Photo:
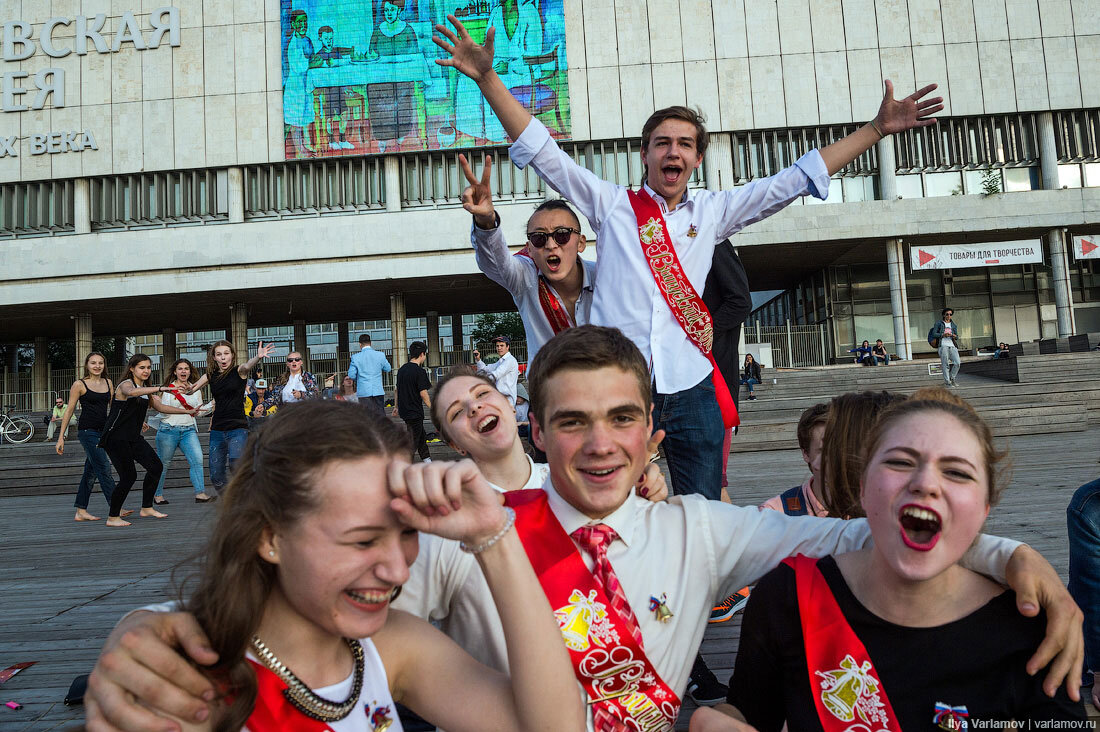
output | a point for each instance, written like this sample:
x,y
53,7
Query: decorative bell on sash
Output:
x,y
660,607
850,682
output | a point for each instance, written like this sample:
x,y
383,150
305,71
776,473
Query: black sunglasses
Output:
x,y
293,359
561,236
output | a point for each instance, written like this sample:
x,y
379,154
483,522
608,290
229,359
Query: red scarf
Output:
x,y
846,688
609,663
682,299
556,314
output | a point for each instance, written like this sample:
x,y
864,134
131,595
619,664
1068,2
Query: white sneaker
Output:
x,y
426,460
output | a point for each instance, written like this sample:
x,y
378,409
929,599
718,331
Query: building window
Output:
x,y
156,199
36,209
287,190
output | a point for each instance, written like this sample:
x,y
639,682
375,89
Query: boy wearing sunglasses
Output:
x,y
549,282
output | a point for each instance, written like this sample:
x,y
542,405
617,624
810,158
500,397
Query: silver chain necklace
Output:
x,y
301,696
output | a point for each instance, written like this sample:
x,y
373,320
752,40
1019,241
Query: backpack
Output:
x,y
932,339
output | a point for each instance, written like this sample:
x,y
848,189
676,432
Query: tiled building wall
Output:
x,y
216,99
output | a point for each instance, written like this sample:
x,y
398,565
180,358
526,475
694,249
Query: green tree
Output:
x,y
991,182
490,325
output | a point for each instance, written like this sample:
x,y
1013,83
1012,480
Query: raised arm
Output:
x,y
454,501
262,352
894,115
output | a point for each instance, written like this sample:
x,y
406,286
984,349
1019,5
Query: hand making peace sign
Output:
x,y
478,196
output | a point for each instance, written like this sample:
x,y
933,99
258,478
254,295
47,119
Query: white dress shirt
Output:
x,y
520,276
691,549
626,295
505,372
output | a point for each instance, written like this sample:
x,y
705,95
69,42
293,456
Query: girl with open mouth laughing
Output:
x,y
898,635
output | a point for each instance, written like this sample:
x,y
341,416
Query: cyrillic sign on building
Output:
x,y
955,256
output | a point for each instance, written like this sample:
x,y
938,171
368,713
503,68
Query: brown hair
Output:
x,y
88,358
811,418
848,429
938,399
585,348
687,114
438,418
285,376
273,486
134,361
170,375
212,370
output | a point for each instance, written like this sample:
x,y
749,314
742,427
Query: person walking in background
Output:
x,y
750,374
367,368
505,372
296,384
411,396
228,425
93,392
180,431
945,337
123,441
55,418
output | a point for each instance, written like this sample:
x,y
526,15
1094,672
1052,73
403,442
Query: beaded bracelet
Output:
x,y
509,522
876,129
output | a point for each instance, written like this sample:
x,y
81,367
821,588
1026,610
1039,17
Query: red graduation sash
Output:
x,y
272,711
556,314
609,663
846,689
681,297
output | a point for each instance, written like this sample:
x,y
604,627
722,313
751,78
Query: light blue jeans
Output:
x,y
187,440
949,359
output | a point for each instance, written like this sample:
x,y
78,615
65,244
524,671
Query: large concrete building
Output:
x,y
242,164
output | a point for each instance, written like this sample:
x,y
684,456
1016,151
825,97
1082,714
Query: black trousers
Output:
x,y
125,455
415,426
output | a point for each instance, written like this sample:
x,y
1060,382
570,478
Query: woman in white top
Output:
x,y
296,384
180,431
313,541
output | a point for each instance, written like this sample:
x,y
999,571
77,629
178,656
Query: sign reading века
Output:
x,y
951,256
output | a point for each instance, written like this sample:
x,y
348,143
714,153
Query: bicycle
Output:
x,y
16,430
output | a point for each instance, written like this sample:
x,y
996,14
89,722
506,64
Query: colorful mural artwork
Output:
x,y
359,76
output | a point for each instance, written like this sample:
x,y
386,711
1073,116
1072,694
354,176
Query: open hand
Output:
x,y
264,351
478,196
452,500
467,56
898,115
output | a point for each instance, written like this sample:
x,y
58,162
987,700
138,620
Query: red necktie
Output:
x,y
595,540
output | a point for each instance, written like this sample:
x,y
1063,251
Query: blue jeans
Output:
x,y
225,447
693,438
96,467
949,359
186,439
750,382
882,359
1083,522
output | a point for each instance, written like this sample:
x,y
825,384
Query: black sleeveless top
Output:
x,y
93,407
131,415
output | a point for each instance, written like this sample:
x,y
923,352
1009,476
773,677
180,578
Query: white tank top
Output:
x,y
375,707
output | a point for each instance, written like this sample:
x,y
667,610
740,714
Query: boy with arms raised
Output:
x,y
627,577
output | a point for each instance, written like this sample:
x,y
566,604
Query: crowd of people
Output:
x,y
575,596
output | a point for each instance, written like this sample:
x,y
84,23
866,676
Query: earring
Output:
x,y
270,552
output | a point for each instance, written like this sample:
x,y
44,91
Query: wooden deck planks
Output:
x,y
65,584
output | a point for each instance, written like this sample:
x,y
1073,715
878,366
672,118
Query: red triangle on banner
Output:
x,y
924,257
1087,247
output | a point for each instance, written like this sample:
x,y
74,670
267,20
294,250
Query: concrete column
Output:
x,y
887,170
899,302
718,162
392,167
236,195
300,344
397,328
82,206
456,333
1063,292
169,352
83,325
238,330
433,339
40,376
1059,259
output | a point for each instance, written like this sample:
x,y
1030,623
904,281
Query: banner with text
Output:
x,y
1086,247
954,256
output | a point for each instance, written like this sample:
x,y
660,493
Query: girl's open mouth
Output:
x,y
920,527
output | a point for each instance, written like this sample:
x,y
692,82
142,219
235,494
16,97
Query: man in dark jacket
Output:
x,y
729,301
